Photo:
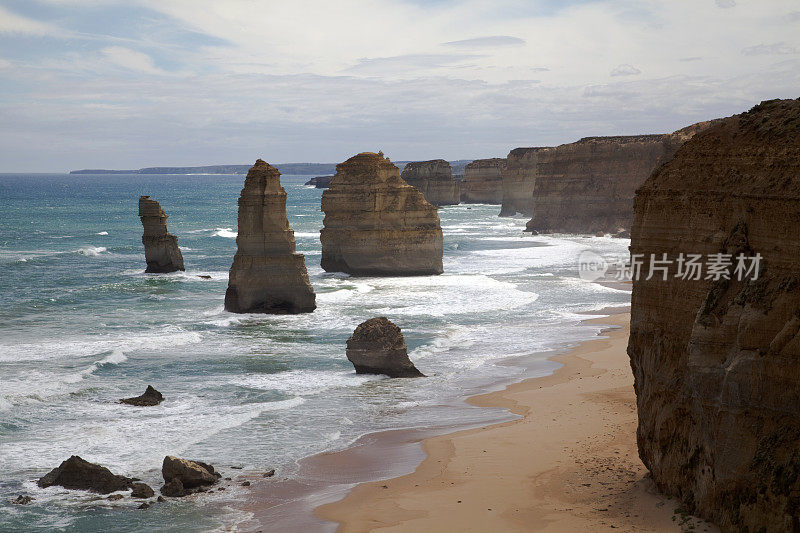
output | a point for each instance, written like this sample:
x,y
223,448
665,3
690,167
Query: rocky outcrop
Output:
x,y
267,275
182,477
377,346
519,178
376,224
160,247
717,362
320,182
434,179
588,186
79,474
150,397
483,181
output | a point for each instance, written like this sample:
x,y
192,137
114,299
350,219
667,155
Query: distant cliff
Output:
x,y
483,181
434,179
286,168
716,361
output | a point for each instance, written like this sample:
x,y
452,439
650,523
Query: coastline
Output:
x,y
569,463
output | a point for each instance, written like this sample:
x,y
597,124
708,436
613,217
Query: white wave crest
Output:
x,y
228,233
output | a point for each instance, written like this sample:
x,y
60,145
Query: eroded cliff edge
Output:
x,y
434,179
717,363
376,223
161,250
267,275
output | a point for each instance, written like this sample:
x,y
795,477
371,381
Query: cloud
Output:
x,y
690,59
5,63
769,49
13,24
726,4
625,70
130,59
487,42
397,64
794,16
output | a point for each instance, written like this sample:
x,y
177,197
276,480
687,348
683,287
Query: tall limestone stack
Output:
x,y
435,180
519,178
376,223
717,362
160,247
483,181
267,275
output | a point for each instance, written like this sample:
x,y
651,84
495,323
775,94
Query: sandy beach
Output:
x,y
568,464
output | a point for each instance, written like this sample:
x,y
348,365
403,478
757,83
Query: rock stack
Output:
x,y
434,179
160,247
519,178
377,224
377,346
267,275
483,181
716,361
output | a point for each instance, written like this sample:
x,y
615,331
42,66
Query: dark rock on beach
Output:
x,y
150,397
141,491
22,499
377,346
77,473
182,477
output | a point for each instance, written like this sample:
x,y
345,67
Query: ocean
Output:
x,y
82,325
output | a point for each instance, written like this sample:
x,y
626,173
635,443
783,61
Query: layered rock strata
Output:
x,y
434,179
267,275
377,346
376,223
519,178
483,181
717,361
161,250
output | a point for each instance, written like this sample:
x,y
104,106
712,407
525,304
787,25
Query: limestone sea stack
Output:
x,y
483,181
717,361
160,247
434,179
376,224
267,275
519,178
377,346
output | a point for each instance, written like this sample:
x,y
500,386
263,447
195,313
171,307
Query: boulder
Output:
x,y
434,179
376,224
377,346
716,362
191,474
22,499
141,490
161,250
76,473
174,489
267,275
150,397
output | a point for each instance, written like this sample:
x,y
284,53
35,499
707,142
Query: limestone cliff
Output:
x,y
519,178
161,250
717,362
377,224
267,275
434,179
483,181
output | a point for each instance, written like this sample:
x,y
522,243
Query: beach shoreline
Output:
x,y
365,486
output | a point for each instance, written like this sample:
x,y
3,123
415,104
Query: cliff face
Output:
x,y
519,178
483,181
434,179
267,275
377,224
717,363
160,247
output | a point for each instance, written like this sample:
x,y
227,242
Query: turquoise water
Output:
x,y
81,325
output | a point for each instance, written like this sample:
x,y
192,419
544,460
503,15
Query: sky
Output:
x,y
134,83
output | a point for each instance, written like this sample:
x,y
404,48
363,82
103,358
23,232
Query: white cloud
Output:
x,y
130,59
487,42
5,64
11,23
625,70
769,49
726,4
